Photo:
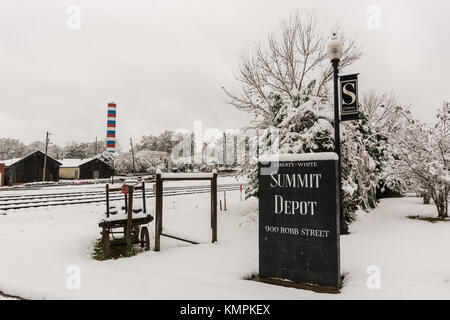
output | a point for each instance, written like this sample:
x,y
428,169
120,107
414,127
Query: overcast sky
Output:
x,y
164,61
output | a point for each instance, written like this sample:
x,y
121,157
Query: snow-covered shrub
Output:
x,y
383,116
144,162
359,168
107,157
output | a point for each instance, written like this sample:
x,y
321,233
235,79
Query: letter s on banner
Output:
x,y
349,93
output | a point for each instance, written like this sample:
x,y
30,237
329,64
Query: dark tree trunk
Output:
x,y
426,198
441,201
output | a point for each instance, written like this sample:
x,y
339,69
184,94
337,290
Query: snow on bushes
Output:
x,y
145,162
308,127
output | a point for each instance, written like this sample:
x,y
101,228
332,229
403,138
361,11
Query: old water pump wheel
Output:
x,y
145,238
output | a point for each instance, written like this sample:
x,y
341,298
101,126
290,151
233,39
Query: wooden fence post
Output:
x,y
107,200
130,220
158,211
143,197
214,207
224,200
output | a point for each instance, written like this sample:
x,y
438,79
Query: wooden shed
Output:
x,y
92,168
2,174
31,168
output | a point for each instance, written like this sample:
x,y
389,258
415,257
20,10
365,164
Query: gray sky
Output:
x,y
164,61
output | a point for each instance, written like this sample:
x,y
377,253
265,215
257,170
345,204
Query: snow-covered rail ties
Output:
x,y
15,202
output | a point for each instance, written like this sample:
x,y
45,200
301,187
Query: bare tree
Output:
x,y
290,63
423,152
383,112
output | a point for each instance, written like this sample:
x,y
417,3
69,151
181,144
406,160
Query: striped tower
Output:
x,y
111,128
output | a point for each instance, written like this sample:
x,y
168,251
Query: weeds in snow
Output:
x,y
429,219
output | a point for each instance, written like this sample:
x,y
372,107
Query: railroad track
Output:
x,y
102,192
15,202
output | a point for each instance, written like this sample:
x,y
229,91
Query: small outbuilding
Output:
x,y
82,169
2,174
31,169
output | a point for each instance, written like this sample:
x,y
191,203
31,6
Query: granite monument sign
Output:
x,y
299,219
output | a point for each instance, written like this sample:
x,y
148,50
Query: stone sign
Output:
x,y
299,219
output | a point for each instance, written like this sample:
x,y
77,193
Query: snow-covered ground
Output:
x,y
39,247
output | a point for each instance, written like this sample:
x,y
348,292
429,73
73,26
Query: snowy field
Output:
x,y
39,245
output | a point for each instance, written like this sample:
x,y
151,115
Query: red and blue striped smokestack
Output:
x,y
111,128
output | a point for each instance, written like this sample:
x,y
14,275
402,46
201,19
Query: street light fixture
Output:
x,y
335,53
334,48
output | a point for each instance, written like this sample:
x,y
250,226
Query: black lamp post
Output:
x,y
335,52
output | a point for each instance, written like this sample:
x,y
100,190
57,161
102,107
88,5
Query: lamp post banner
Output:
x,y
349,97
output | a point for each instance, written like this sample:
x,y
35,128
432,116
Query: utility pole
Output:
x,y
132,155
192,149
224,149
96,153
47,140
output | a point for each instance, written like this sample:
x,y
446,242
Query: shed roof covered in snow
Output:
x,y
75,163
10,162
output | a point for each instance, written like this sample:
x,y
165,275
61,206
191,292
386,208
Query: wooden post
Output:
x,y
107,200
126,203
130,220
105,242
158,211
143,197
214,207
224,200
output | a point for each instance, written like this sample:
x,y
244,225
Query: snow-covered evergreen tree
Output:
x,y
309,127
384,117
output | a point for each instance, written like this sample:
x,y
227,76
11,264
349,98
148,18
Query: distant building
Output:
x,y
2,174
165,158
31,168
81,169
